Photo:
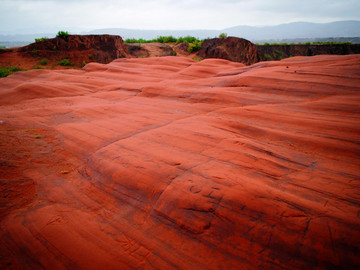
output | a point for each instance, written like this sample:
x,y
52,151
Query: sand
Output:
x,y
169,163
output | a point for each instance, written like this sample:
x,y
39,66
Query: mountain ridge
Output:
x,y
294,30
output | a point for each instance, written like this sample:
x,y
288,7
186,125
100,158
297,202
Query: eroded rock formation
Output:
x,y
78,49
169,163
229,48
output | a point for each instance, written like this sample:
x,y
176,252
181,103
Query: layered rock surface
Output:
x,y
78,49
168,163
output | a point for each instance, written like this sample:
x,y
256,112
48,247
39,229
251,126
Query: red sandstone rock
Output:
x,y
168,163
229,48
76,48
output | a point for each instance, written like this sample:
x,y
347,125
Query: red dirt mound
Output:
x,y
229,48
169,163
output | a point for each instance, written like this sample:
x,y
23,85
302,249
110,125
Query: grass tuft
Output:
x,y
4,72
64,62
40,39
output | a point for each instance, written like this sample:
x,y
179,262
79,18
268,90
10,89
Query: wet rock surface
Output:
x,y
169,163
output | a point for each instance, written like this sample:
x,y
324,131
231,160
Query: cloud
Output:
x,y
18,15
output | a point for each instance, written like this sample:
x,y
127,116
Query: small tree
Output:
x,y
223,35
62,34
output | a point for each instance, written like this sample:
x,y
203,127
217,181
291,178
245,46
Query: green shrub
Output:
x,y
2,47
174,53
130,40
62,34
141,40
279,53
64,62
44,62
90,56
223,35
133,40
8,71
268,57
83,63
187,39
197,59
38,67
195,46
40,39
266,44
281,43
166,39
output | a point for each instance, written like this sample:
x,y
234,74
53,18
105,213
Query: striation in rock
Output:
x,y
169,163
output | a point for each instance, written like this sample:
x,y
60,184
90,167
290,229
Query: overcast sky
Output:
x,y
18,16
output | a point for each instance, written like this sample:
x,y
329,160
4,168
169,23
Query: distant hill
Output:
x,y
295,30
150,34
291,31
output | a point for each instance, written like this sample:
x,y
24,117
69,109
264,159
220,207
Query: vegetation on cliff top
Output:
x,y
164,39
40,39
62,34
305,43
194,43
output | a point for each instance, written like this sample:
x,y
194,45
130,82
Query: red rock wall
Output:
x,y
102,48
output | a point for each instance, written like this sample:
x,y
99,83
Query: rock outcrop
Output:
x,y
170,163
229,48
243,51
78,49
